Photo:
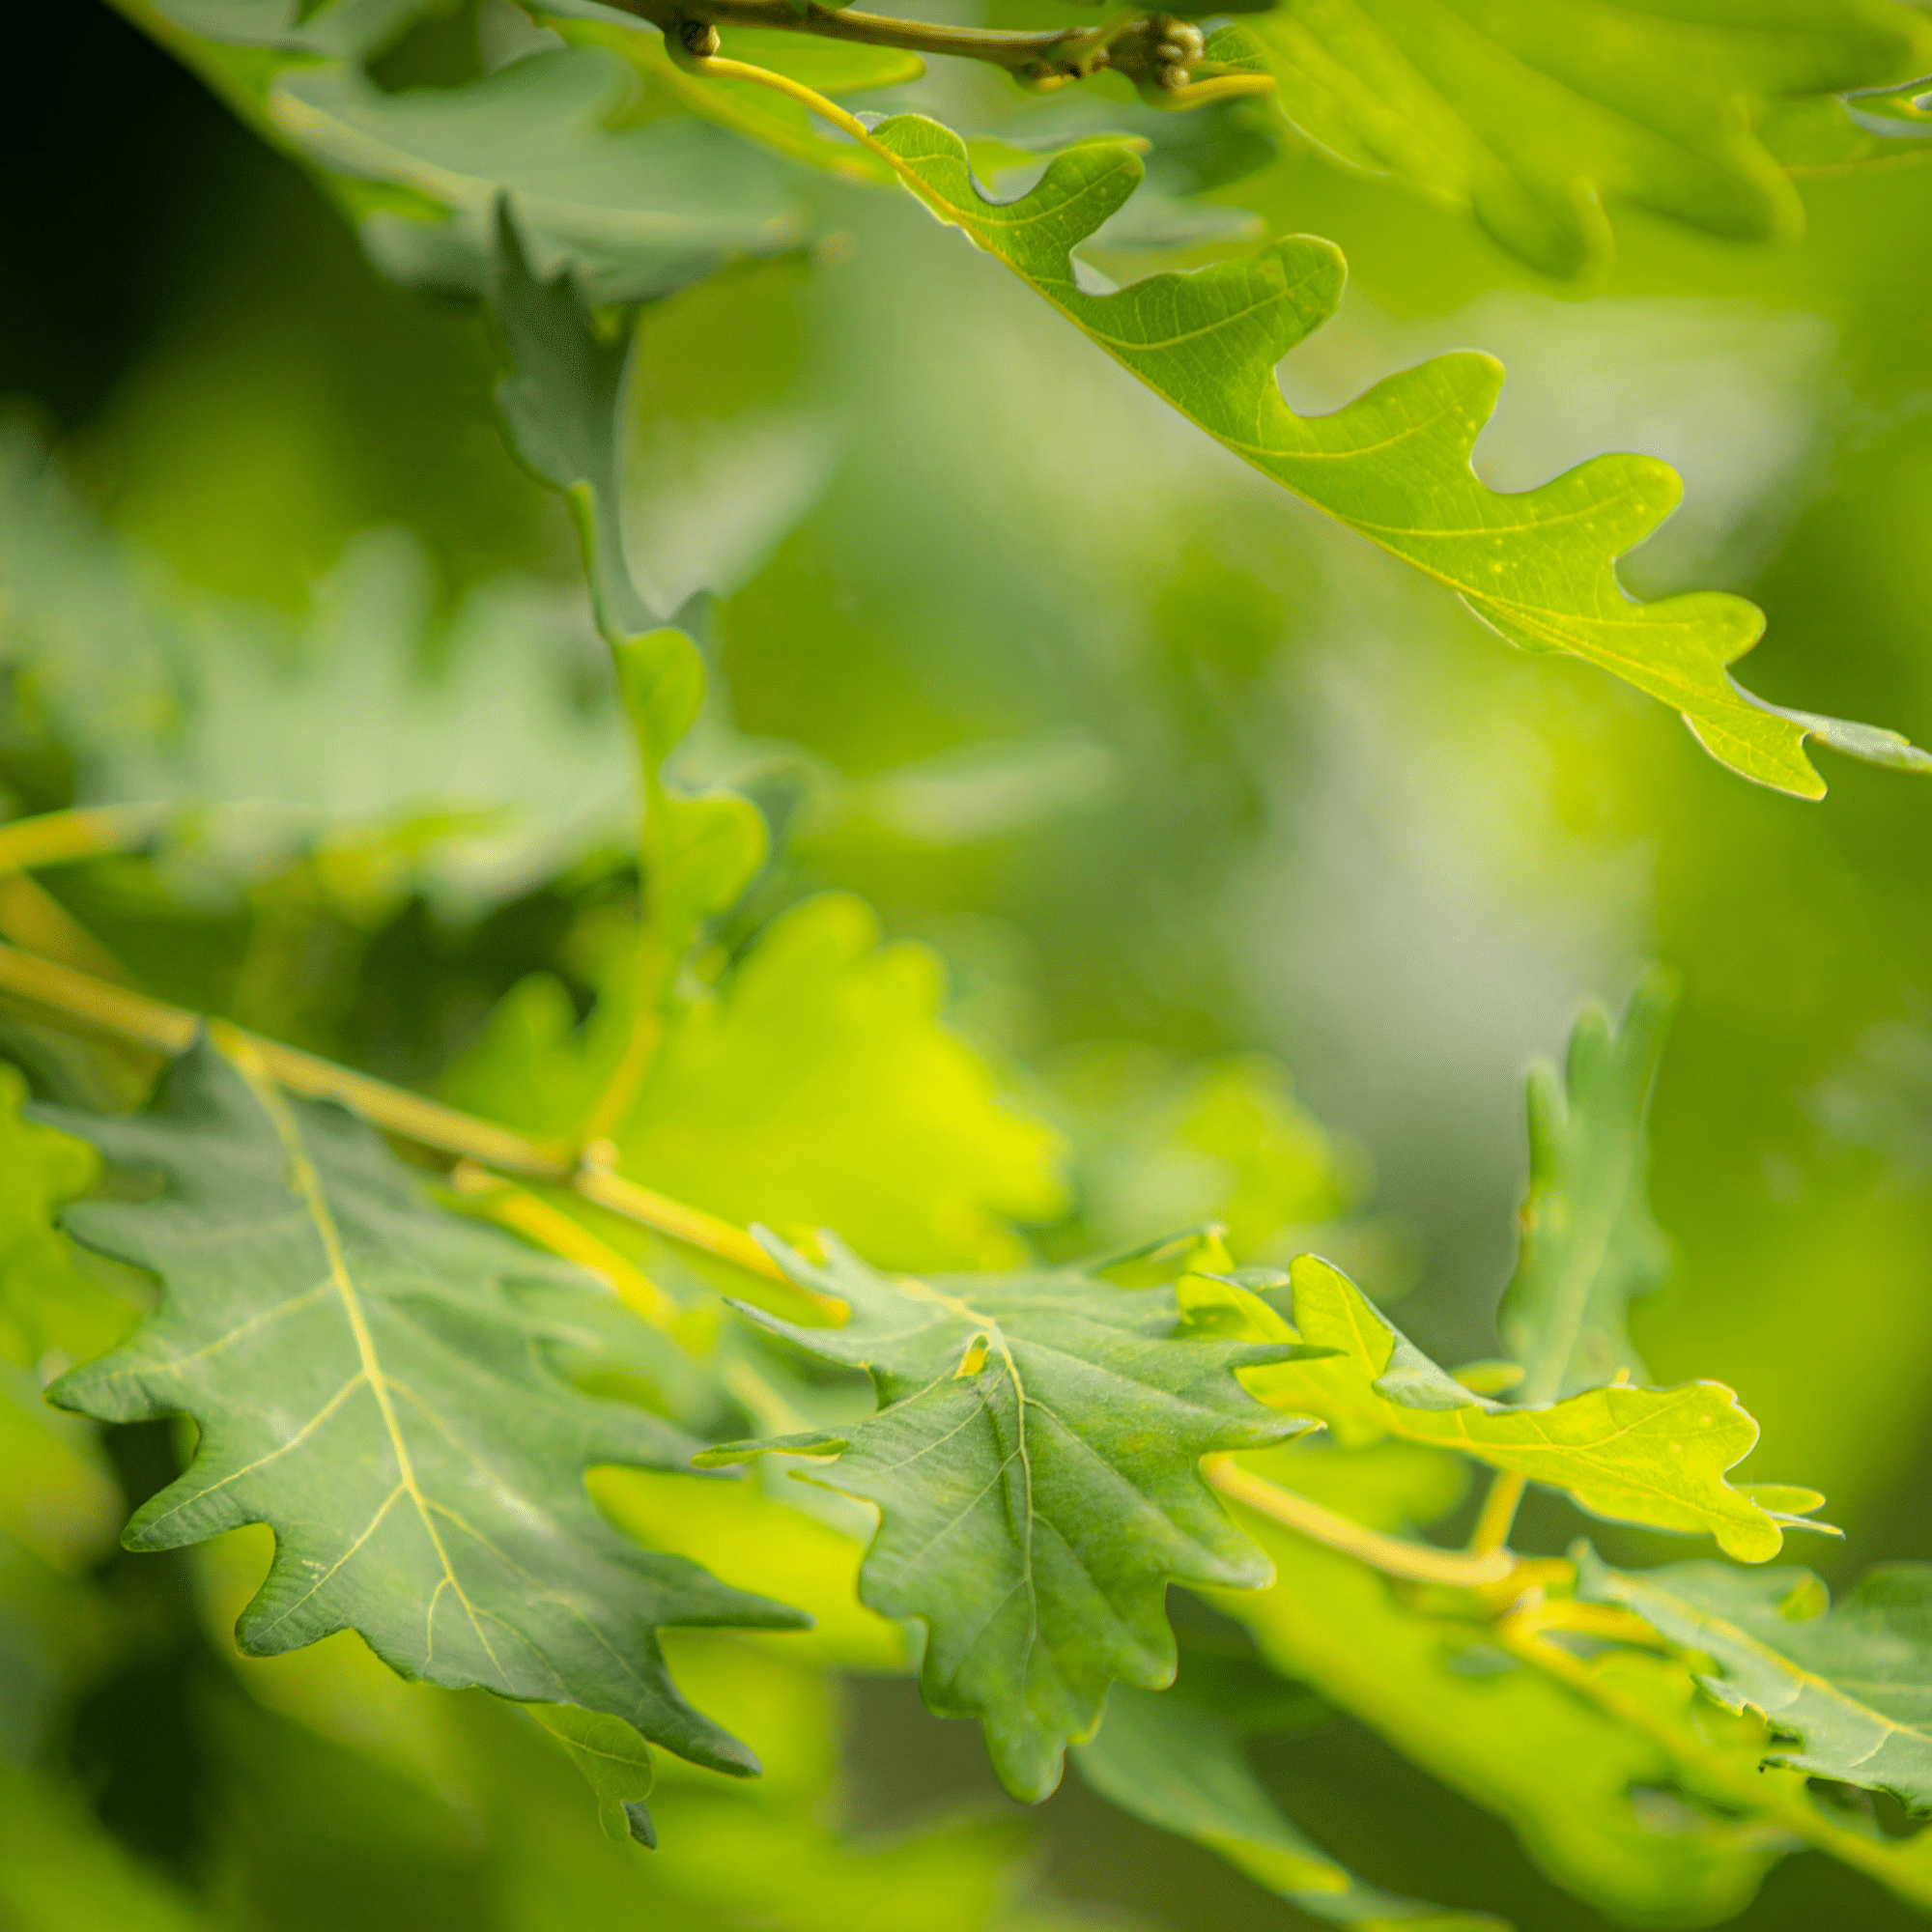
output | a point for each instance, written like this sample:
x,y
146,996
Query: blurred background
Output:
x,y
1167,771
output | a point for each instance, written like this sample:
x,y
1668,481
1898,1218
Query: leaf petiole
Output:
x,y
1392,1555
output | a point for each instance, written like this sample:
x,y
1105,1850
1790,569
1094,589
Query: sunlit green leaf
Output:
x,y
1395,464
1036,1462
1657,1457
1589,1244
1533,114
1846,1689
366,1381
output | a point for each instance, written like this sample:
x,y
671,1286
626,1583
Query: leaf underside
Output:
x,y
367,1381
1035,1459
1538,566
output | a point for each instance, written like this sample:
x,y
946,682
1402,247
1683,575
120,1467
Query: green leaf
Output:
x,y
1589,1244
1602,1805
1531,115
1224,1140
563,413
1394,465
1656,1456
1035,1459
46,1302
775,120
1849,1687
816,1085
366,1381
1176,1764
615,1763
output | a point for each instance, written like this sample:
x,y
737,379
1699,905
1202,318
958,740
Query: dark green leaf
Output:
x,y
1036,1462
366,1381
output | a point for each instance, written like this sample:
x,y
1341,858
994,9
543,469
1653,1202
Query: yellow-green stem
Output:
x,y
1392,1555
1792,1808
171,1030
1498,1514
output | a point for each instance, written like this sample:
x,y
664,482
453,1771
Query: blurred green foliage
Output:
x,y
1156,786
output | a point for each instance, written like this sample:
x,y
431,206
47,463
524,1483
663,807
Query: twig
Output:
x,y
171,1030
1392,1555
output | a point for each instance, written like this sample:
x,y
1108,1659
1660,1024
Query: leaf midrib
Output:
x,y
306,1182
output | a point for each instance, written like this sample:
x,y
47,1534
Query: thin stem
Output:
x,y
1155,49
1788,1805
1392,1555
171,1030
1498,1515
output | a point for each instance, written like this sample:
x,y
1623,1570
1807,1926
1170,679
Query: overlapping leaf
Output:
x,y
1657,1457
366,1381
1532,115
1850,1685
1177,1761
1035,1459
1589,1244
1538,566
1606,1807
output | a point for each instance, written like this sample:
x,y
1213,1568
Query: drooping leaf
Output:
x,y
366,1381
1178,1764
1035,1459
1532,115
1589,1246
1602,1805
61,1871
1657,1457
1849,1687
1537,566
